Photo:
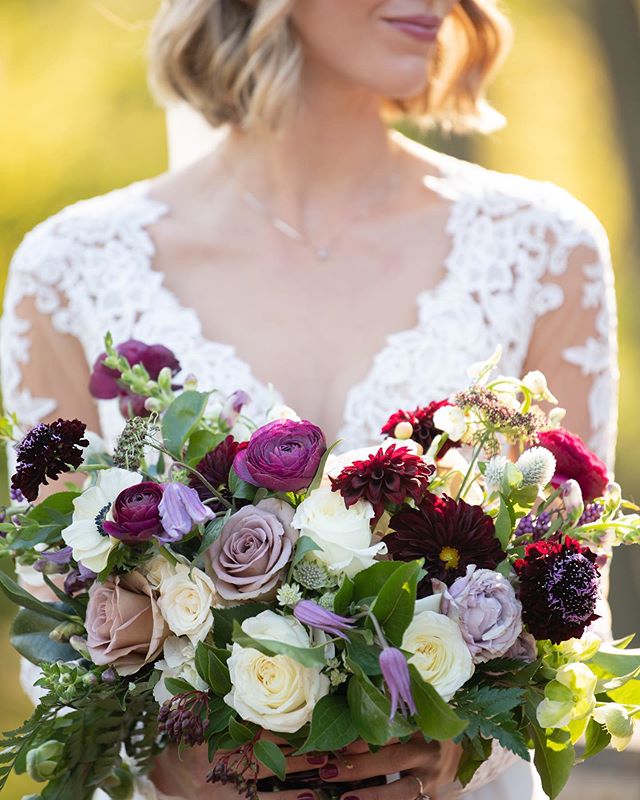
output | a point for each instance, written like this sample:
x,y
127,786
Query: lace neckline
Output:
x,y
264,395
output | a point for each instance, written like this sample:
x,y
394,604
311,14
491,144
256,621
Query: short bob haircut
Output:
x,y
239,61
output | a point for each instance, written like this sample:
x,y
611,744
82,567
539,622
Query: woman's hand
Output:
x,y
423,769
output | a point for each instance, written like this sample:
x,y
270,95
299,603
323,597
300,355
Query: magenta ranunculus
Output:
x,y
135,514
489,615
103,383
282,456
575,460
255,546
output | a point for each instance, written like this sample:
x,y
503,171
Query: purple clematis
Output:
x,y
310,613
180,509
395,672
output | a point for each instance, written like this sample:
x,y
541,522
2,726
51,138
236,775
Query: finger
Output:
x,y
291,794
295,764
392,758
407,788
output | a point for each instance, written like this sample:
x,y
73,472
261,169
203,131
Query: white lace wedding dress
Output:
x,y
90,269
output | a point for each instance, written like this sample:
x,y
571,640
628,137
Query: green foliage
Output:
x,y
395,602
307,656
30,635
224,619
489,713
370,712
331,725
269,754
181,419
436,719
22,598
211,665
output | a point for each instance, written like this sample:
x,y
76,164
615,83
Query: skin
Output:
x,y
330,160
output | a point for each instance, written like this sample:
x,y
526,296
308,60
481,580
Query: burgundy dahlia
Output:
x,y
449,534
424,430
215,468
575,460
46,452
387,477
136,514
104,383
559,587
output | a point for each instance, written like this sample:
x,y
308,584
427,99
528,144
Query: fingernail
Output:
x,y
316,761
329,771
306,796
351,797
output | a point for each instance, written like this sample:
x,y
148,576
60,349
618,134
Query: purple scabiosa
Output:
x,y
395,672
559,586
47,451
183,718
180,509
314,615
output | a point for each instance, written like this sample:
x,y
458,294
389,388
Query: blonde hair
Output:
x,y
239,62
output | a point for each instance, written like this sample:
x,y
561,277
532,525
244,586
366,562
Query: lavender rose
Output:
x,y
124,625
135,515
252,551
484,605
282,456
524,648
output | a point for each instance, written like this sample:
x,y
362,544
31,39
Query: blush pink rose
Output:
x,y
124,625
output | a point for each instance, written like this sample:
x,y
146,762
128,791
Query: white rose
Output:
x,y
344,534
185,602
440,653
157,570
178,662
275,692
90,545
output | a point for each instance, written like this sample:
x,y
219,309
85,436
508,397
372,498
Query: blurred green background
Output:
x,y
77,120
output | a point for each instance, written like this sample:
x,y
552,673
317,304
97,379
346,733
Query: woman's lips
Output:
x,y
423,28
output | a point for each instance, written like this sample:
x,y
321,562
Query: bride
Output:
x,y
313,255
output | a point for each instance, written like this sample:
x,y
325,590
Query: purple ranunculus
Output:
x,y
233,406
78,580
254,548
180,509
484,605
282,456
135,514
104,382
314,615
395,672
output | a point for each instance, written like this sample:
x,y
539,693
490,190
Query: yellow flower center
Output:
x,y
450,557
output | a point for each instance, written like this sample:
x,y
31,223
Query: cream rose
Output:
x,y
344,534
275,692
186,598
439,652
178,662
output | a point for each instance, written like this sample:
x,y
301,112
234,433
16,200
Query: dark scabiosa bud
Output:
x,y
395,672
183,718
314,615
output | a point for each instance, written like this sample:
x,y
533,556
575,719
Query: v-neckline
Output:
x,y
440,184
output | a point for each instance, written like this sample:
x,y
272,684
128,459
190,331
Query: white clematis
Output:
x,y
90,545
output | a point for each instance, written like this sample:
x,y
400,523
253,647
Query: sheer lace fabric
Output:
x,y
529,268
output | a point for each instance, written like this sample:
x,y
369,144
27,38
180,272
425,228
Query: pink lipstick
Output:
x,y
422,27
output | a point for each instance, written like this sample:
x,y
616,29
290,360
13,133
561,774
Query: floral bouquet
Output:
x,y
245,588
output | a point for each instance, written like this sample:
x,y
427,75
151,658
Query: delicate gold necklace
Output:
x,y
321,252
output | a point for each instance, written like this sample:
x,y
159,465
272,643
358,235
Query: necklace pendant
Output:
x,y
322,253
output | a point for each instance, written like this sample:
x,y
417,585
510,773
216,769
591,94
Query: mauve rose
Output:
x,y
484,605
524,648
255,546
575,460
135,515
124,625
103,383
282,456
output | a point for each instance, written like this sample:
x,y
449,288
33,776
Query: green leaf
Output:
x,y
369,582
30,637
200,443
177,685
488,712
436,719
553,763
212,668
269,754
615,662
240,489
307,656
365,656
343,596
304,545
219,715
629,694
223,619
370,712
596,738
331,725
241,734
504,524
317,478
474,753
181,418
394,606
212,532
18,596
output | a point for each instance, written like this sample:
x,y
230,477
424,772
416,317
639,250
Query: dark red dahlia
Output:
x,y
575,460
424,430
46,452
388,477
215,468
559,587
104,382
449,534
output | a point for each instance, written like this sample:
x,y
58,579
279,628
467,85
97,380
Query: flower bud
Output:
x,y
536,383
42,763
571,495
153,405
165,377
537,465
64,631
617,721
79,644
403,430
190,383
556,415
119,785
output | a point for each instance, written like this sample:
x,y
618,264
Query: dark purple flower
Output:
x,y
104,383
54,561
46,452
78,580
136,514
180,509
215,468
282,456
183,718
559,587
314,615
395,672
